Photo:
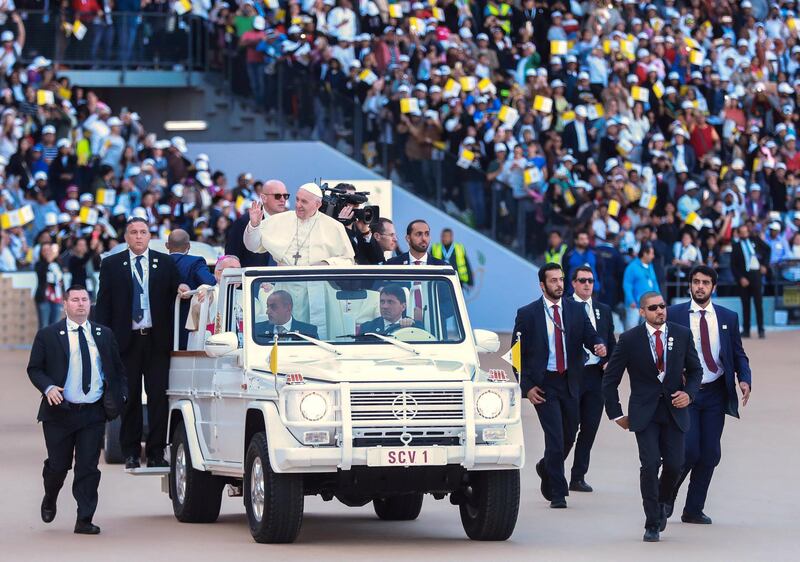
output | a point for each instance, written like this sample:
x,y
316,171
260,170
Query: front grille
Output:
x,y
419,437
396,442
392,405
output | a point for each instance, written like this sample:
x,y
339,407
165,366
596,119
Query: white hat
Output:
x,y
611,163
755,187
7,36
48,130
177,190
62,143
114,122
50,219
133,171
741,184
556,83
775,225
139,213
204,178
581,111
293,29
64,217
71,205
555,60
179,143
40,176
164,210
86,198
201,166
469,140
689,185
259,23
583,75
161,144
312,188
738,163
500,147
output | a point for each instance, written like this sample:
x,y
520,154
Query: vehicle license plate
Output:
x,y
407,456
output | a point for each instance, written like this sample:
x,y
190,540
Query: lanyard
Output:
x,y
553,320
448,252
139,279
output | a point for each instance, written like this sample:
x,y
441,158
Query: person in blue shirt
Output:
x,y
779,247
192,271
639,278
582,254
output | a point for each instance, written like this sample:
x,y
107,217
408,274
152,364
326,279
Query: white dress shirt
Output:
x,y
422,261
587,305
580,134
651,334
551,333
73,387
713,339
147,319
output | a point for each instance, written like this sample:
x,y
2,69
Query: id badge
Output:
x,y
753,263
144,300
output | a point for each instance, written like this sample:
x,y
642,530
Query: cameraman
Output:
x,y
367,251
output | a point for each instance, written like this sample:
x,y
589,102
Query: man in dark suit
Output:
x,y
665,375
749,260
280,319
591,388
393,313
77,368
273,200
553,332
136,300
576,136
715,330
192,271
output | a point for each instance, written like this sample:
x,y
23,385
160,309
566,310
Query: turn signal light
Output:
x,y
295,378
497,375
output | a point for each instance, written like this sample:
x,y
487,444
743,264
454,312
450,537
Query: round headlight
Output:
x,y
489,404
313,406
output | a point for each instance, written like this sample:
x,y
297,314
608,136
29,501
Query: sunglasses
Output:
x,y
588,280
278,196
654,307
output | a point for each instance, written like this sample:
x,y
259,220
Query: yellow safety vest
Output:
x,y
555,257
461,259
503,16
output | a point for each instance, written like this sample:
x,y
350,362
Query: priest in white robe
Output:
x,y
303,237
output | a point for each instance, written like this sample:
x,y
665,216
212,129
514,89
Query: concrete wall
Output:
x,y
504,281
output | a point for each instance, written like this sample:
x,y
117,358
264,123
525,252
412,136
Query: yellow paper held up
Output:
x,y
468,83
409,105
395,11
658,89
107,197
89,216
694,220
543,104
45,97
569,198
640,94
79,30
558,47
696,58
614,208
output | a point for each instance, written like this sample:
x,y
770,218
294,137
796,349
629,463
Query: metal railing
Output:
x,y
115,40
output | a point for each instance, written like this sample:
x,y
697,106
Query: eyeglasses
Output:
x,y
654,307
278,196
588,280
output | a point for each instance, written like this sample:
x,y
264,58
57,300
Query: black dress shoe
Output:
x,y
48,508
761,335
663,524
545,485
157,462
651,534
580,486
86,528
699,519
559,503
132,462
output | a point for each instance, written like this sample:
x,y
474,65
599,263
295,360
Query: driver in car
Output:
x,y
280,319
393,313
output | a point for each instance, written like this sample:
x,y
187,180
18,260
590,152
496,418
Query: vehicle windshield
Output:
x,y
352,310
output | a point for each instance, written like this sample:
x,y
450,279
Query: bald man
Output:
x,y
193,272
208,291
274,198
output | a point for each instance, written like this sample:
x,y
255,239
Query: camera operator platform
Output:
x,y
305,236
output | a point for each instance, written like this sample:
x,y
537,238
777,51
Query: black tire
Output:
x,y
112,448
489,512
398,508
196,495
273,502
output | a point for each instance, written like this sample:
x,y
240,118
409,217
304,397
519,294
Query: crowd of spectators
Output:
x,y
569,129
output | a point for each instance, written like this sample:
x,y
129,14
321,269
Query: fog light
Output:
x,y
317,438
492,435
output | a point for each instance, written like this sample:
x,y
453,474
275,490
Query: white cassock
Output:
x,y
292,241
202,324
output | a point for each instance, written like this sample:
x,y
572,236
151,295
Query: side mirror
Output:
x,y
221,344
486,341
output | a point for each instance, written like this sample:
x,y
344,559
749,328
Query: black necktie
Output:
x,y
86,361
138,291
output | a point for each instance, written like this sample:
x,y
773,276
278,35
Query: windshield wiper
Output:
x,y
319,343
394,341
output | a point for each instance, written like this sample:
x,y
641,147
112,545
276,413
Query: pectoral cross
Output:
x,y
297,256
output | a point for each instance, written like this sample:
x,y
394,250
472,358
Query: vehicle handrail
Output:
x,y
177,316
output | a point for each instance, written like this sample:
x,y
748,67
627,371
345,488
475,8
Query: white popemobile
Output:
x,y
374,400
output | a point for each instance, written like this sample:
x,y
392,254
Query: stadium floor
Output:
x,y
753,499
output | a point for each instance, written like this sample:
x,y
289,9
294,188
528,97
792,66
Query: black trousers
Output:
x,y
752,291
703,449
661,444
558,416
76,432
142,361
590,412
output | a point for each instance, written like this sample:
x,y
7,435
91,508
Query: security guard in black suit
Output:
x,y
137,301
76,366
591,387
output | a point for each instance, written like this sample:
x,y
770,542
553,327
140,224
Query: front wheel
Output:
x,y
398,508
273,502
490,508
196,494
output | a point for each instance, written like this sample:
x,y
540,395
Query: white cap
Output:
x,y
179,143
500,147
40,176
204,178
7,36
48,130
114,122
177,190
64,217
71,205
775,225
581,111
50,219
312,188
63,143
139,213
259,23
86,198
737,163
755,187
689,185
164,210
